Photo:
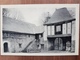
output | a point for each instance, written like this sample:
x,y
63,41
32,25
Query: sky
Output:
x,y
32,14
35,15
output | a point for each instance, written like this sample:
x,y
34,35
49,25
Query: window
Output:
x,y
20,45
53,30
37,36
69,28
64,28
49,30
58,28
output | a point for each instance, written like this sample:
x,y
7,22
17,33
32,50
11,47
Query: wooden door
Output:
x,y
58,44
6,47
39,57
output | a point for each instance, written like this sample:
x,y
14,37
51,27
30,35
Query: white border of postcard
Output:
x,y
45,54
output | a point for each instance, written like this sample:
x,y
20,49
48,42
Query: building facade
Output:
x,y
18,36
60,31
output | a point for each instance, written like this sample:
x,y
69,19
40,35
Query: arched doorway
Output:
x,y
58,44
5,47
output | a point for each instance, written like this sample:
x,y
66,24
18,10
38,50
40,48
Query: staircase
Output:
x,y
29,45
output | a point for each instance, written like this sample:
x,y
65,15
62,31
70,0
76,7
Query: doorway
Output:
x,y
6,47
58,44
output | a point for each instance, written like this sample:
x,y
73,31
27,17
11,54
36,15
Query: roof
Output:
x,y
62,35
13,25
60,15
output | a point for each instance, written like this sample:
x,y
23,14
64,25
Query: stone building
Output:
x,y
18,35
60,31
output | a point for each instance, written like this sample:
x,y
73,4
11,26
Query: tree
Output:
x,y
45,17
13,13
5,12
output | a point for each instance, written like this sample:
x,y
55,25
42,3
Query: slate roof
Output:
x,y
10,24
60,15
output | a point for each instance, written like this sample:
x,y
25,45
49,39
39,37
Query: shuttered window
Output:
x,y
64,28
53,31
69,28
49,30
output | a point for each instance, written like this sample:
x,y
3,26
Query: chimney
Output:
x,y
48,17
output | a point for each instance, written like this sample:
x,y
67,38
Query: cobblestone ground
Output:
x,y
52,51
45,50
55,51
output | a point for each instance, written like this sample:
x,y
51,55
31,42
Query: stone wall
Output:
x,y
16,41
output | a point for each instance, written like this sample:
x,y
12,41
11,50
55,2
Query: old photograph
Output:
x,y
40,29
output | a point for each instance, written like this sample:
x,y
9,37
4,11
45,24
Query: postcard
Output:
x,y
40,29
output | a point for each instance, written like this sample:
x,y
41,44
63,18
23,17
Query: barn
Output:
x,y
18,36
